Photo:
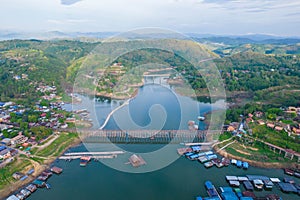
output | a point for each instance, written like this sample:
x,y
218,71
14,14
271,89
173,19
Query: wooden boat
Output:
x,y
297,174
201,118
48,186
84,160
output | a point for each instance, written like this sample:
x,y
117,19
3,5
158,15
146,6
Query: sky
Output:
x,y
222,17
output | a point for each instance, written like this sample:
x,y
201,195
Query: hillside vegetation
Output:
x,y
266,72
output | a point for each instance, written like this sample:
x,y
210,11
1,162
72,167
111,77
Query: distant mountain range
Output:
x,y
225,39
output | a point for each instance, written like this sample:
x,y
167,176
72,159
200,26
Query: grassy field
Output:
x,y
18,165
256,152
58,145
39,158
279,138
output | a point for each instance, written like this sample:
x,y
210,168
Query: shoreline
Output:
x,y
10,189
266,165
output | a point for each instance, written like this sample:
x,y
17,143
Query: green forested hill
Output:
x,y
26,64
267,76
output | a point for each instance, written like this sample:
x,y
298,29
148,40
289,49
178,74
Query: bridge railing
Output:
x,y
146,136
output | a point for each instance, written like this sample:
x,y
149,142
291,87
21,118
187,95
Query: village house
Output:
x,y
17,175
291,109
248,120
258,114
278,128
230,129
6,141
64,126
270,125
19,139
296,130
70,120
261,122
4,152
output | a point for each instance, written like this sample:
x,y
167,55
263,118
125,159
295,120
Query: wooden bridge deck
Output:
x,y
148,136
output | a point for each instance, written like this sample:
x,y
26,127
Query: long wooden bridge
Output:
x,y
148,136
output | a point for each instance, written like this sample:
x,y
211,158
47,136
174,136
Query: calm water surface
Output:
x,y
181,180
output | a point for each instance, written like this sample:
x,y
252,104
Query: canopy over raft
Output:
x,y
136,161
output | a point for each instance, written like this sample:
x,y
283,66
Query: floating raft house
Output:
x,y
254,177
31,188
245,165
249,194
288,180
229,196
239,163
56,170
287,187
234,183
246,198
12,197
242,178
136,160
289,172
39,183
226,189
231,178
268,184
248,185
275,180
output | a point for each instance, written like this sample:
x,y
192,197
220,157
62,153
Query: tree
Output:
x,y
32,118
41,132
24,125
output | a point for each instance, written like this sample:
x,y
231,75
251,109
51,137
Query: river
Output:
x,y
183,179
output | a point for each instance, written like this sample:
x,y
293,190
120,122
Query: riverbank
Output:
x,y
277,165
38,167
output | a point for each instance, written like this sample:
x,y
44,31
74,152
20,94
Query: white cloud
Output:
x,y
205,16
69,2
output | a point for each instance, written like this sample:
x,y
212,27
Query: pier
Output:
x,y
94,153
93,156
